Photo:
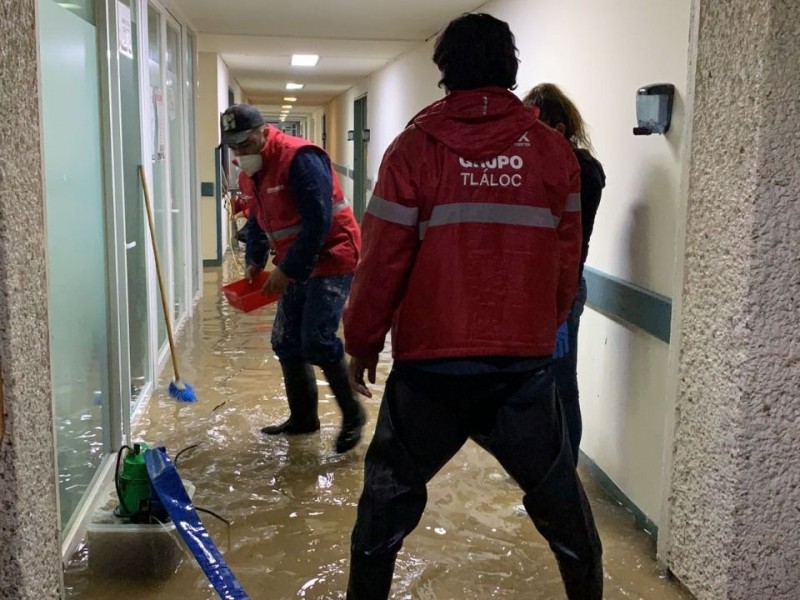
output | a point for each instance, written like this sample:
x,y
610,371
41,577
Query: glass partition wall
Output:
x,y
118,92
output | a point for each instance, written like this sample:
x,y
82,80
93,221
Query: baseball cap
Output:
x,y
238,121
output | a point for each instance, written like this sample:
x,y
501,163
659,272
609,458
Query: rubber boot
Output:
x,y
353,414
370,577
301,392
561,512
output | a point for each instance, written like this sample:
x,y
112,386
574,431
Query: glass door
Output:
x,y
136,236
158,156
194,200
77,275
177,173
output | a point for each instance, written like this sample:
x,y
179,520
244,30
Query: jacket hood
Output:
x,y
477,124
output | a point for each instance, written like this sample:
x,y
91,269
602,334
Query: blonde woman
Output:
x,y
560,113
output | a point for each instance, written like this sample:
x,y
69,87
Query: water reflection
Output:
x,y
292,500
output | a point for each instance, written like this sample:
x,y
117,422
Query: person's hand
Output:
x,y
250,272
276,284
356,373
562,341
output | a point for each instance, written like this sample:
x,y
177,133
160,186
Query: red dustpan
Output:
x,y
247,296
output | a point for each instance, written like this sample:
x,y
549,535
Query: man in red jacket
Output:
x,y
471,244
295,199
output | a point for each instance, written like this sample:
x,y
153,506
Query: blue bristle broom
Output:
x,y
180,390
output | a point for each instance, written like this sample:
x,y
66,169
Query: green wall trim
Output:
x,y
626,301
609,487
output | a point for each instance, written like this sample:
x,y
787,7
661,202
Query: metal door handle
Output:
x,y
130,245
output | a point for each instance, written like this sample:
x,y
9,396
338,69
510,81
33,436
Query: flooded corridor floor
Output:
x,y
292,500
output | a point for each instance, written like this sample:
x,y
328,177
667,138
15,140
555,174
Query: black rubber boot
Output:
x,y
370,577
560,511
301,391
353,414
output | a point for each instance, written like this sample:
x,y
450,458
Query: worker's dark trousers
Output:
x,y
424,420
565,370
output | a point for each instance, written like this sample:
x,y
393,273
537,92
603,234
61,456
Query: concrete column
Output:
x,y
734,530
30,549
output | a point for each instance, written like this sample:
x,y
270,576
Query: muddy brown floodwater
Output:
x,y
292,500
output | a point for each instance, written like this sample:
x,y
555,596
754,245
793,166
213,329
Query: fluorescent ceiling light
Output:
x,y
294,86
287,106
304,60
290,99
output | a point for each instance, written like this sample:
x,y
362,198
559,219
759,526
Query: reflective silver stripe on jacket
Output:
x,y
282,234
393,212
573,203
501,214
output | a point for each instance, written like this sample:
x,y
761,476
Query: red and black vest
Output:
x,y
275,208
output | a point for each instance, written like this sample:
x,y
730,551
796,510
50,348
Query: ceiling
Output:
x,y
353,38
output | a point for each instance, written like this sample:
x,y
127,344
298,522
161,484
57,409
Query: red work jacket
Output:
x,y
473,235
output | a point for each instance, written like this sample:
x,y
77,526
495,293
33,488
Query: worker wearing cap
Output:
x,y
295,199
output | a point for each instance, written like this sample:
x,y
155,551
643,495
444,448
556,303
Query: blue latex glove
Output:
x,y
562,341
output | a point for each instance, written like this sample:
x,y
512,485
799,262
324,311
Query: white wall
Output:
x,y
600,53
213,82
207,140
340,120
601,57
315,124
394,95
225,82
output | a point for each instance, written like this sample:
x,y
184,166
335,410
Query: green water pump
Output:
x,y
133,484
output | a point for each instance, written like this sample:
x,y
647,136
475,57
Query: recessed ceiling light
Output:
x,y
290,99
294,86
304,60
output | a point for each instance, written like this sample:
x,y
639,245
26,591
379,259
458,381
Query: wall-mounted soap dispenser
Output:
x,y
654,108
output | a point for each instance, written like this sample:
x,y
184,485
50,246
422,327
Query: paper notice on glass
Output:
x,y
171,104
161,123
124,35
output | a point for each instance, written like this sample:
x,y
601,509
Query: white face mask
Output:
x,y
250,163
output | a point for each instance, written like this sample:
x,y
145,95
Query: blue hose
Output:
x,y
169,487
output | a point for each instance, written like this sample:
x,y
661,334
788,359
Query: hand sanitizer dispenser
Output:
x,y
654,108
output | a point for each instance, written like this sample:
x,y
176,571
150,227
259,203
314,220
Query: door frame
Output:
x,y
360,120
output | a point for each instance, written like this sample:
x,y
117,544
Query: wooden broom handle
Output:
x,y
164,303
